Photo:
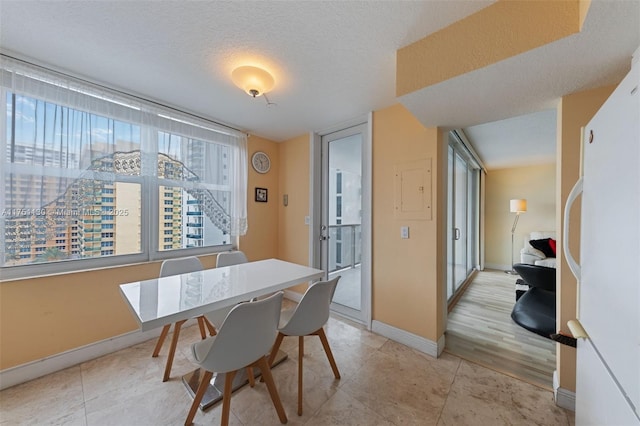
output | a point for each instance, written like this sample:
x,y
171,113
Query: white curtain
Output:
x,y
238,184
69,129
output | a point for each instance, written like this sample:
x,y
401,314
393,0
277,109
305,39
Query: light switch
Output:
x,y
307,220
404,232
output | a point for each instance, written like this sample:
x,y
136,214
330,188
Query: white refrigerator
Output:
x,y
608,272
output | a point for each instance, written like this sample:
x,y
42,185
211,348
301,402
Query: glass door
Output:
x,y
461,218
460,214
341,225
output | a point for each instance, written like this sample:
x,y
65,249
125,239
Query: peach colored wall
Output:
x,y
261,241
44,316
293,244
406,272
574,112
536,184
501,30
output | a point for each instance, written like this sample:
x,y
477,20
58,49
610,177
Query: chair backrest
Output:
x,y
313,310
228,258
247,333
180,266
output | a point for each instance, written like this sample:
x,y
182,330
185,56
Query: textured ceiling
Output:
x,y
499,144
332,61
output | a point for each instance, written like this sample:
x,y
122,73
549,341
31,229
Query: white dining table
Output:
x,y
167,300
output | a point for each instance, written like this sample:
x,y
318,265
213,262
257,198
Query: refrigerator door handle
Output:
x,y
573,265
577,330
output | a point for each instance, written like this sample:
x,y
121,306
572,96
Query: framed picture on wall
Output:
x,y
261,195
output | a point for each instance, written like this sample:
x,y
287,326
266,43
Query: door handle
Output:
x,y
577,330
323,237
573,265
456,232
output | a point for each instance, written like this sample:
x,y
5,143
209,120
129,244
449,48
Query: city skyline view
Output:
x,y
73,185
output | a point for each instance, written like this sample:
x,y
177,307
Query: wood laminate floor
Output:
x,y
480,329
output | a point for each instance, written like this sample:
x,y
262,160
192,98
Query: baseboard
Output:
x,y
34,369
564,398
497,266
41,367
426,346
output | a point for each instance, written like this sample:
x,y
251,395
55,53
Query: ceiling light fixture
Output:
x,y
253,80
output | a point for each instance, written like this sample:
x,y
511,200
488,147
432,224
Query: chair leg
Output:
x,y
300,356
271,386
226,397
202,388
251,377
203,333
327,350
274,352
275,348
210,327
172,349
163,335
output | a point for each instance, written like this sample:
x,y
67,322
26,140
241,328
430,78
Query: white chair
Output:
x,y
175,267
307,319
228,258
243,340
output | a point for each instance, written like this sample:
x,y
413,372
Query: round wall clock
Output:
x,y
261,162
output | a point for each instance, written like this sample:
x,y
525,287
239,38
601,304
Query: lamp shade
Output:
x,y
518,206
253,80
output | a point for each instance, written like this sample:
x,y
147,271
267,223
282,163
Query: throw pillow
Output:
x,y
543,246
552,244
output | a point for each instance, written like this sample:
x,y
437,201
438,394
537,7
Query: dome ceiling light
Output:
x,y
253,80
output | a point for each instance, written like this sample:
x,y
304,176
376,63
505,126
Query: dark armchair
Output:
x,y
536,309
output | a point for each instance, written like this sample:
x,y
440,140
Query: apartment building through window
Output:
x,y
76,162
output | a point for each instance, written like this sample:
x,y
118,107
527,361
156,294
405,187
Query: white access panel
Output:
x,y
610,236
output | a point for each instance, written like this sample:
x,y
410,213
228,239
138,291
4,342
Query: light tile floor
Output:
x,y
383,383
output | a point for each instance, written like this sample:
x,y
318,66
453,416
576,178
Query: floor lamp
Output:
x,y
517,207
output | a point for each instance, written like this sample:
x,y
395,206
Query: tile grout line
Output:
x,y
455,375
84,398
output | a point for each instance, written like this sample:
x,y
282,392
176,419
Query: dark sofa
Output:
x,y
535,310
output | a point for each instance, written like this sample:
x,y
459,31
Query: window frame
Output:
x,y
150,245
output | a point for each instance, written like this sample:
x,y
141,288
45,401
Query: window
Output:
x,y
85,160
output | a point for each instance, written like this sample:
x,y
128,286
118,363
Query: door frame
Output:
x,y
458,142
315,205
